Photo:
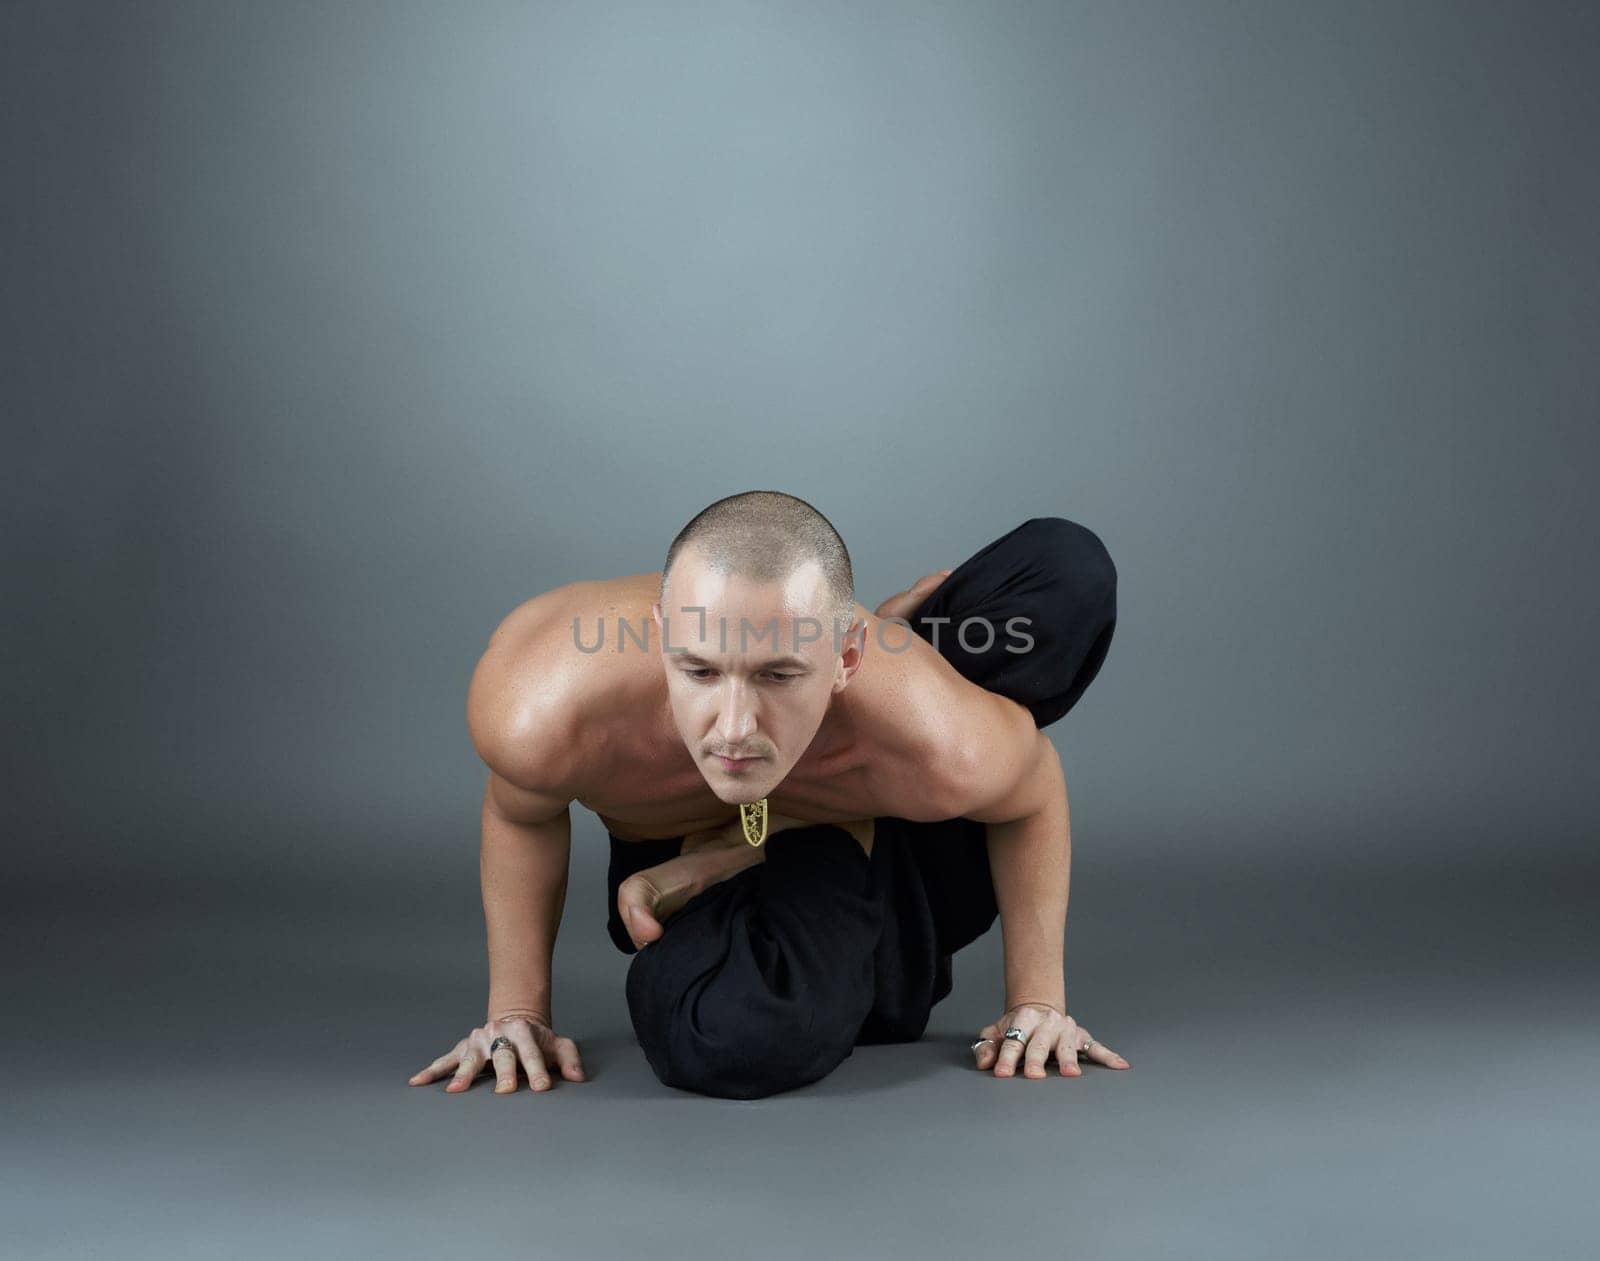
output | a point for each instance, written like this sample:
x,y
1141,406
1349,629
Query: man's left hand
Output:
x,y
1046,1031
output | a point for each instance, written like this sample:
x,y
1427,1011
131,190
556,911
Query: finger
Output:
x,y
1006,1061
436,1070
1067,1053
505,1070
987,1046
1100,1053
904,603
533,1061
1025,1020
1038,1051
471,1066
566,1053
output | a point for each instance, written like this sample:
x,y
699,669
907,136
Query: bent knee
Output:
x,y
1077,551
743,1031
754,1065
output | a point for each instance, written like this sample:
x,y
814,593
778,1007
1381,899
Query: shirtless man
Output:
x,y
629,695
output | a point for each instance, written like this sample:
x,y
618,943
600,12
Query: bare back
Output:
x,y
596,726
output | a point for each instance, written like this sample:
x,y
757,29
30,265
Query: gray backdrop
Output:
x,y
334,331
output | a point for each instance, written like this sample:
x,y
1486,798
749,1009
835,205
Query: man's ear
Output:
x,y
661,631
852,648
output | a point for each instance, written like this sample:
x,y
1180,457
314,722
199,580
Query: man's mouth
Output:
x,y
734,764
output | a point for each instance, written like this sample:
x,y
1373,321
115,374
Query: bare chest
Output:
x,y
645,790
636,776
650,788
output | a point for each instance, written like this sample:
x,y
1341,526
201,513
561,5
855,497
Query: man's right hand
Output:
x,y
535,1044
905,603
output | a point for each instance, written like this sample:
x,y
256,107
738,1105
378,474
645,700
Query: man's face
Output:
x,y
761,697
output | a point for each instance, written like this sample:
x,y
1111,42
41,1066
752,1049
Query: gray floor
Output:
x,y
1379,1061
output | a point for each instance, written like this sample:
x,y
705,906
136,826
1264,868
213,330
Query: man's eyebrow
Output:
x,y
792,663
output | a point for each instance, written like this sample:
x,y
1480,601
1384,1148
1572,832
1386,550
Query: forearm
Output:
x,y
1030,860
523,871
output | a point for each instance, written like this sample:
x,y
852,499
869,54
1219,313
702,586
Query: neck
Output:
x,y
835,735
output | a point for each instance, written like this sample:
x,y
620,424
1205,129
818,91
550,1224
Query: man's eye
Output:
x,y
771,674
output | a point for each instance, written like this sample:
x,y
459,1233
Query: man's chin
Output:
x,y
730,793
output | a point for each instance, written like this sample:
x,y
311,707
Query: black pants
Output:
x,y
765,982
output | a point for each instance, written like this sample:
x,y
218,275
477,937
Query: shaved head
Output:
x,y
763,536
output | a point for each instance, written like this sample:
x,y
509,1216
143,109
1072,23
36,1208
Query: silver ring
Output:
x,y
1015,1034
980,1042
501,1041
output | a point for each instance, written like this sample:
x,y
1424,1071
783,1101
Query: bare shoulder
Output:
x,y
528,690
926,724
968,745
993,751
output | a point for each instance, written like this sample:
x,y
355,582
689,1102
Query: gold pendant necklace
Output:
x,y
753,818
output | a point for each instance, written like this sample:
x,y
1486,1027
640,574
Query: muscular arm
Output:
x,y
1011,780
522,866
519,718
516,717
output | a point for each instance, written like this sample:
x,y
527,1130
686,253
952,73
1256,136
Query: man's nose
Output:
x,y
736,719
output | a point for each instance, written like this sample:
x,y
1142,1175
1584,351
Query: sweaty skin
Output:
x,y
597,728
878,725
